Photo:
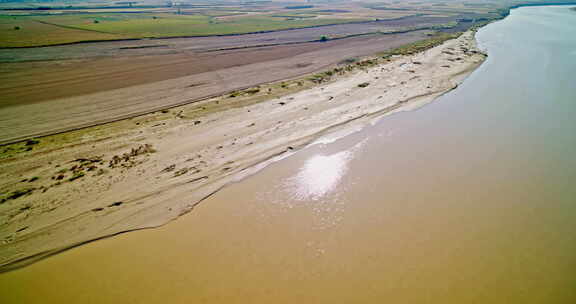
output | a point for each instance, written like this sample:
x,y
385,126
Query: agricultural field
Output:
x,y
58,29
54,25
167,25
194,55
24,31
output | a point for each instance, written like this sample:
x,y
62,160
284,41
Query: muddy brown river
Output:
x,y
470,199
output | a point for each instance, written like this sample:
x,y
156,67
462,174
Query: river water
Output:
x,y
471,199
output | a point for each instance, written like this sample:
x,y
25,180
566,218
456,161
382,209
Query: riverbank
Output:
x,y
162,165
51,96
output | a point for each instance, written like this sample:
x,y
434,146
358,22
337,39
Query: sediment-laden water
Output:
x,y
471,199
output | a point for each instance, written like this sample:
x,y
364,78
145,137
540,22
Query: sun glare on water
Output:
x,y
320,175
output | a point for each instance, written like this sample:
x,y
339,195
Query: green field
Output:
x,y
43,23
66,28
31,33
144,25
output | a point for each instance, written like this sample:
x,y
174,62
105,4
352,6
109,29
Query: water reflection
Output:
x,y
314,189
320,175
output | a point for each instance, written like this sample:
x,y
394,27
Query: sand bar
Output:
x,y
166,163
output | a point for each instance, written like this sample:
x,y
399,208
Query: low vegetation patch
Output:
x,y
76,176
251,91
420,46
16,194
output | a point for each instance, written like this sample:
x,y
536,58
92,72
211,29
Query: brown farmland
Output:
x,y
52,89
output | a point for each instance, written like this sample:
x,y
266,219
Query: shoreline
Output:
x,y
303,76
158,171
106,89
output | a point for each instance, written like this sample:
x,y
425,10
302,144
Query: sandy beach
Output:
x,y
146,171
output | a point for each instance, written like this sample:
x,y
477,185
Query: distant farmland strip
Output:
x,y
391,32
143,46
27,32
139,26
71,27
